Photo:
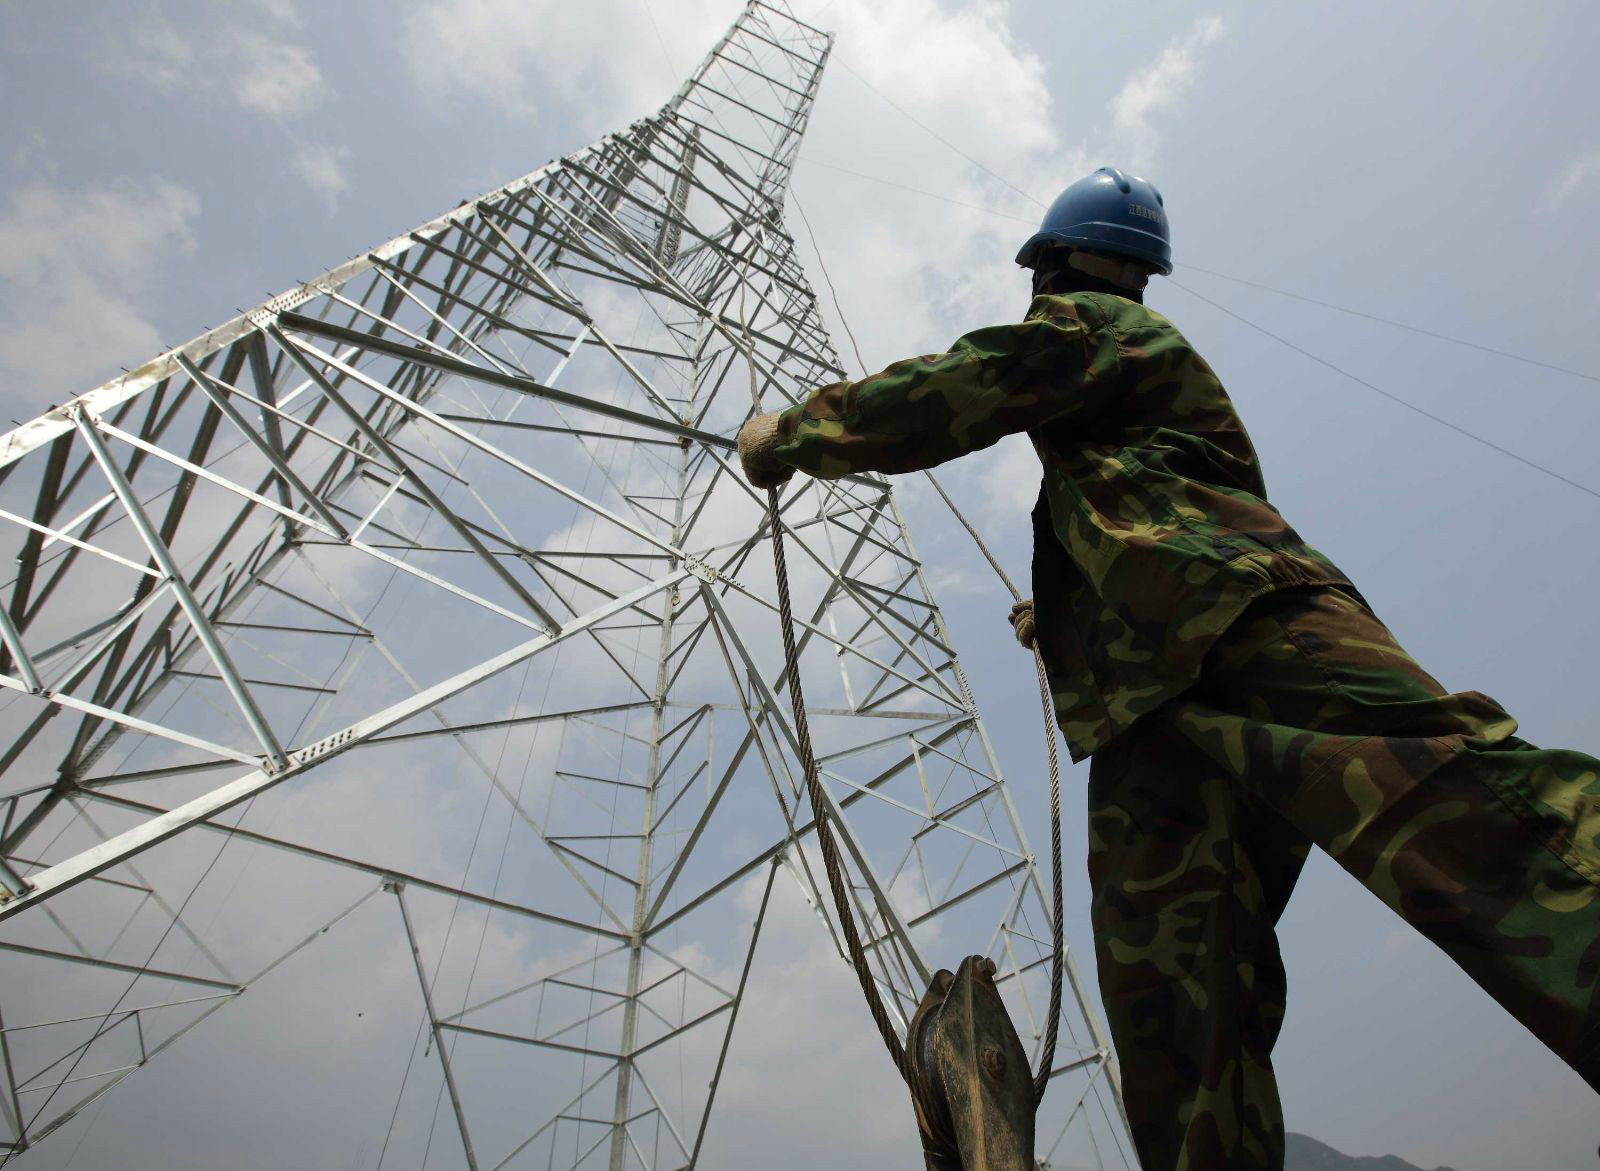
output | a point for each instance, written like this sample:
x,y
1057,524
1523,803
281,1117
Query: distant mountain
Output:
x,y
1303,1153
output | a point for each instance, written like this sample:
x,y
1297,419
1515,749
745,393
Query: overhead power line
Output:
x,y
916,190
1392,397
996,176
1444,337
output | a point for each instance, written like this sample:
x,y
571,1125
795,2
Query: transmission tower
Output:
x,y
423,607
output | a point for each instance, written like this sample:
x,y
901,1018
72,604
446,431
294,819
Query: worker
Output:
x,y
1239,698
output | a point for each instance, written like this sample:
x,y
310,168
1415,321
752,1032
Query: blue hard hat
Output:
x,y
1106,212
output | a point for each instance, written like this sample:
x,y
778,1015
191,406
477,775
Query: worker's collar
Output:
x,y
1125,274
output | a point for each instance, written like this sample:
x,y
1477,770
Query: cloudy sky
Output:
x,y
1433,165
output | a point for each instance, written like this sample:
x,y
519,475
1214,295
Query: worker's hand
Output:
x,y
1022,622
757,438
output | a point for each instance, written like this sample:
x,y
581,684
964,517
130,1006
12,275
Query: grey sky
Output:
x,y
1434,164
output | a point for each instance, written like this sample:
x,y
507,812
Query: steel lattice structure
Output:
x,y
455,531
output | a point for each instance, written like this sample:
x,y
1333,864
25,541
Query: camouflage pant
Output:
x,y
1312,726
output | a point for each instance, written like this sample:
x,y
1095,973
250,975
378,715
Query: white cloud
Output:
x,y
322,165
264,72
1582,173
152,50
519,53
283,11
73,264
276,77
1158,89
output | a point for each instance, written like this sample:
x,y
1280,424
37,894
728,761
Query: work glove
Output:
x,y
757,439
1022,622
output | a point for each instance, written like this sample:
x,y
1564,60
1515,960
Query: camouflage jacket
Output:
x,y
1153,531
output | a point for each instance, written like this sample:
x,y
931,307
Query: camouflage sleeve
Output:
x,y
1059,364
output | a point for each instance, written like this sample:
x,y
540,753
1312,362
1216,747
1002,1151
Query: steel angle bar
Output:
x,y
58,535
954,721
873,612
679,1030
433,1021
733,1018
61,699
933,821
520,260
180,586
26,1085
221,1002
372,435
885,905
497,453
268,450
552,429
228,986
499,322
13,642
225,483
11,1104
109,631
669,285
826,636
158,829
553,978
54,423
714,798
94,509
528,386
953,900
389,323
497,1035
633,372
561,1113
374,869
272,414
665,1115
513,721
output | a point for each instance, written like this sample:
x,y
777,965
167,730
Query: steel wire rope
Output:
x,y
1057,923
831,861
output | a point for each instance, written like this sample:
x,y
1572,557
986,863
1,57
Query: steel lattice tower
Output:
x,y
449,545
